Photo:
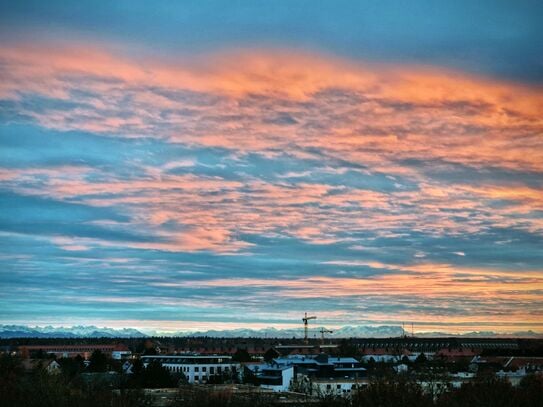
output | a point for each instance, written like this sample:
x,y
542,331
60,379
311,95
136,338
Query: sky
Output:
x,y
222,164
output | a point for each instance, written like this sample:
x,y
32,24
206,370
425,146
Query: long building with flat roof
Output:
x,y
69,351
196,368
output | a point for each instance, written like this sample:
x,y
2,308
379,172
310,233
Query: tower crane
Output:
x,y
325,331
305,319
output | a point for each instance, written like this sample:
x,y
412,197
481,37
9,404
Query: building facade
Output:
x,y
196,369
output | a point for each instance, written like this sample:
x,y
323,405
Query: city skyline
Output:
x,y
207,165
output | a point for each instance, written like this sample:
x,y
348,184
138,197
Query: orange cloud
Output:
x,y
417,285
366,113
371,116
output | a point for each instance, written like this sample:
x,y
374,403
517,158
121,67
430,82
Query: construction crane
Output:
x,y
325,331
305,319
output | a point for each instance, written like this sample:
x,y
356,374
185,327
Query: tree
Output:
x,y
137,367
11,372
156,376
241,355
248,376
421,359
270,355
483,392
530,391
71,367
98,361
346,348
392,393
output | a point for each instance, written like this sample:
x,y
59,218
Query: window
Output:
x,y
211,370
196,369
338,386
219,369
204,369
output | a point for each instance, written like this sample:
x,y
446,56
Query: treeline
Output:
x,y
351,346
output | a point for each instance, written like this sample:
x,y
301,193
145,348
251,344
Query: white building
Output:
x,y
513,377
457,380
336,386
401,368
272,376
197,369
121,354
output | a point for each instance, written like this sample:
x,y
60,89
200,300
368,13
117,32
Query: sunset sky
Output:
x,y
222,164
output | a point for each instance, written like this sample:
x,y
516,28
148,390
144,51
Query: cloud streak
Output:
x,y
277,176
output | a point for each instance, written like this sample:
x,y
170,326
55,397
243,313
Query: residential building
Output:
x,y
49,365
272,376
196,368
323,365
121,354
335,386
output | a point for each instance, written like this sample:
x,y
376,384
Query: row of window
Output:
x,y
338,387
188,361
187,369
71,350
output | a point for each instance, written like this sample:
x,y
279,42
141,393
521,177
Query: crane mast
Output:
x,y
305,319
325,331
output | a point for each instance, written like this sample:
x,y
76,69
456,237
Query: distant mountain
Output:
x,y
383,331
482,334
356,331
21,331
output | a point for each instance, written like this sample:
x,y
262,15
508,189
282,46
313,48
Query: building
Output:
x,y
128,367
121,354
455,354
297,349
513,377
457,380
335,386
530,364
49,365
322,365
197,369
70,351
383,355
272,376
401,368
297,372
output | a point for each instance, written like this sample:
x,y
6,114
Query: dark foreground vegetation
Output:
x,y
395,393
79,385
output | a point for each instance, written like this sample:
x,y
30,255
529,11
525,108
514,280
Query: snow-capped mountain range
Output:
x,y
23,331
384,331
361,331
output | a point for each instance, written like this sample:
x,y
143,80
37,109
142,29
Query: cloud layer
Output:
x,y
190,189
